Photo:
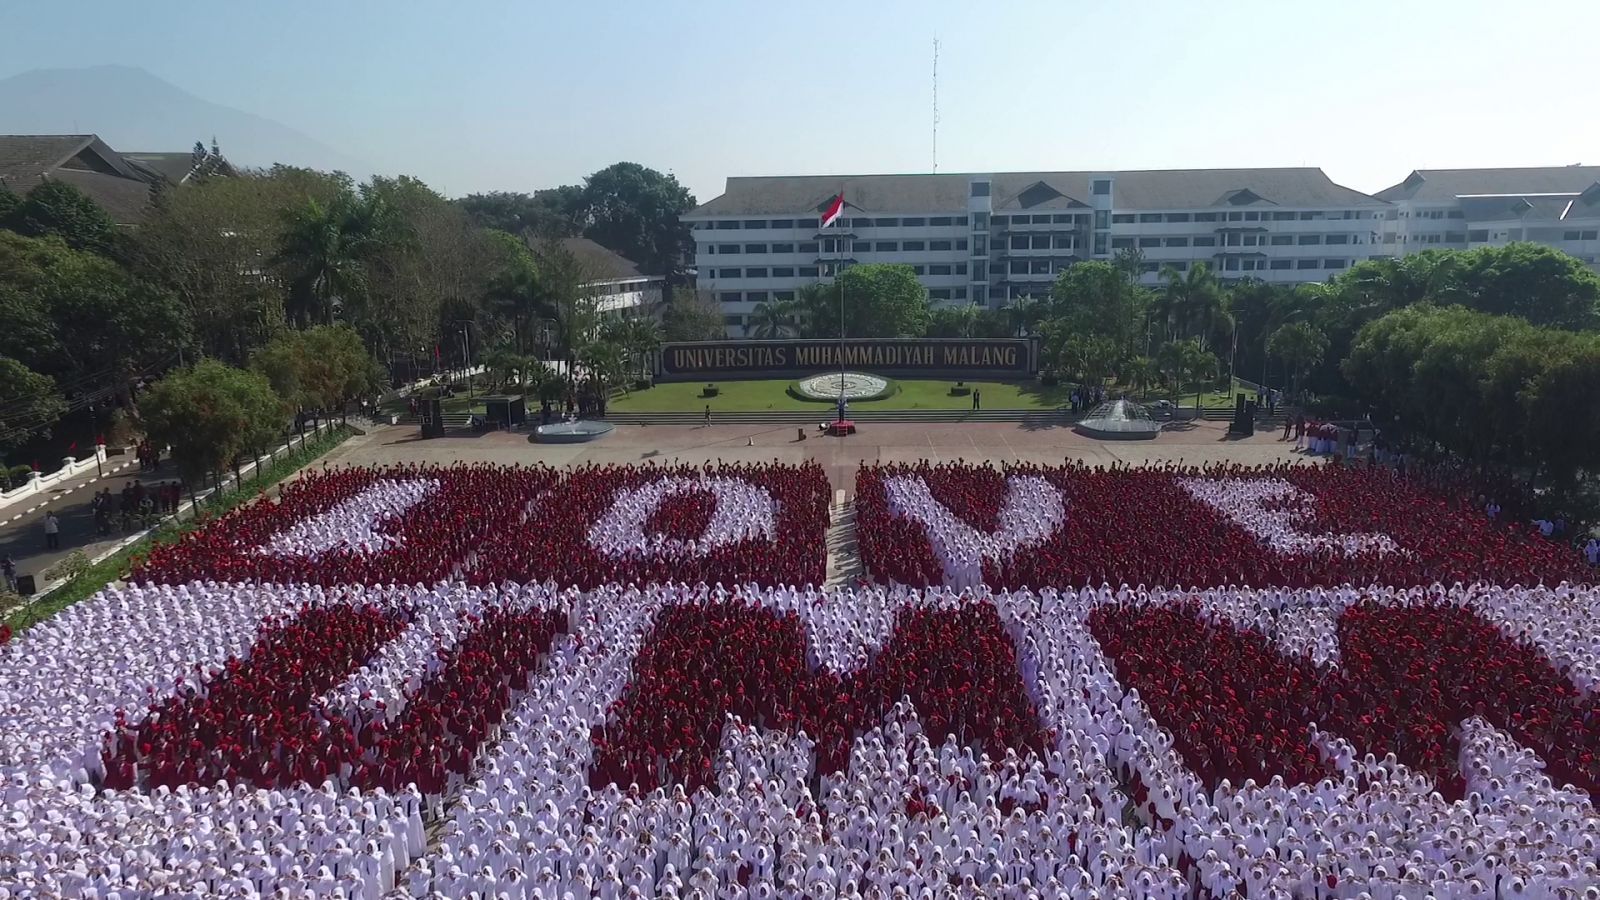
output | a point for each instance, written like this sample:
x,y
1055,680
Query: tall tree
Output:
x,y
321,368
691,315
325,251
773,320
635,211
1531,281
57,209
29,403
544,214
880,300
1300,346
1191,303
212,414
1097,298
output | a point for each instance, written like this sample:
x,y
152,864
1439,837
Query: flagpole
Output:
x,y
838,277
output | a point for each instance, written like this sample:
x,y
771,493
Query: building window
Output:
x,y
886,247
782,248
1020,241
755,296
1062,218
939,270
752,224
1283,217
1003,221
980,189
1179,266
810,247
759,272
961,268
1122,243
919,270
1177,242
1236,217
1308,240
726,249
937,221
938,245
1333,264
783,296
809,271
913,246
783,271
755,248
1477,234
782,223
1453,214
1571,236
1102,219
1019,267
1146,218
913,222
1252,216
1205,217
726,225
1123,219
979,271
711,249
980,245
938,293
1305,264
1102,187
1065,242
1282,240
1337,239
1279,264
1041,267
730,296
1310,216
959,293
729,273
1205,241
1041,242
886,223
1231,264
1147,243
1590,235
961,244
980,221
1177,217
1249,265
805,223
1253,240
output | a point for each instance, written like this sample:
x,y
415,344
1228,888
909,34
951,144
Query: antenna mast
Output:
x,y
936,106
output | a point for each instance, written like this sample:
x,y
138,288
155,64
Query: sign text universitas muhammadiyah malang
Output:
x,y
913,355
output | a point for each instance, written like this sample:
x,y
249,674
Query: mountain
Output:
x,y
133,110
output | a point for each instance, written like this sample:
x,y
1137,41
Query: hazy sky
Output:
x,y
476,95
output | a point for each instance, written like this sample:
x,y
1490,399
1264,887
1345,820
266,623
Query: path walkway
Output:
x,y
844,556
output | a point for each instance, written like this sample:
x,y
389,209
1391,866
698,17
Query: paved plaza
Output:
x,y
1201,443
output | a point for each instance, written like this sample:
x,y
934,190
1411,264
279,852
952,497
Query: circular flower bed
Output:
x,y
857,386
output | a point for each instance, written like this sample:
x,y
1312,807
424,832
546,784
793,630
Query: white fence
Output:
x,y
38,483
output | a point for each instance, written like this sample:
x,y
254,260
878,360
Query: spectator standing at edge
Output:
x,y
52,531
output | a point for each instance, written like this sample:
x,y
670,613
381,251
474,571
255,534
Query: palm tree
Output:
x,y
1300,346
1190,298
772,320
324,251
636,338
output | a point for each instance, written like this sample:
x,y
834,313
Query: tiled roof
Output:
x,y
1440,185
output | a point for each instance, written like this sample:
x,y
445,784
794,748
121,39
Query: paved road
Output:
x,y
22,532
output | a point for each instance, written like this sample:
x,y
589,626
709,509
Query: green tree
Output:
x,y
322,368
635,211
1186,362
212,414
604,365
691,315
1097,298
545,214
1300,346
772,320
1079,356
10,203
962,321
325,251
637,338
57,209
881,300
29,404
1531,281
1190,304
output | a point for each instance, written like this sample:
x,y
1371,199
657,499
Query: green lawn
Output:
x,y
755,396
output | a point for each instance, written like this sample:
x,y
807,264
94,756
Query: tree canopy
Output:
x,y
212,414
880,300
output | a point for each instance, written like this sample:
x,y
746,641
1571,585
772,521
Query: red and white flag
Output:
x,y
835,208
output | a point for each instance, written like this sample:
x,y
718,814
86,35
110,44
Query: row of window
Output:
x,y
955,293
1235,240
816,271
832,245
858,222
1237,216
1043,242
1590,235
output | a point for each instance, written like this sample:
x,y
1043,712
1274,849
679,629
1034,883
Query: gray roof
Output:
x,y
947,193
1441,185
119,182
600,263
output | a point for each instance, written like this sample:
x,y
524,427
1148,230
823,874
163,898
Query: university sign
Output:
x,y
911,356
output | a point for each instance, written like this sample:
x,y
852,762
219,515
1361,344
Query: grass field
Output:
x,y
772,394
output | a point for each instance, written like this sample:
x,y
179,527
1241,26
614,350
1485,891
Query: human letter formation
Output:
x,y
489,681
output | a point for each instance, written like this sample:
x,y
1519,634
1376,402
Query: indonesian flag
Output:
x,y
835,208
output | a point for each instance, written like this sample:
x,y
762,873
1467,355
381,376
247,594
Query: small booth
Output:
x,y
505,411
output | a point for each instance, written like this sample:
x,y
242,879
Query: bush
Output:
x,y
709,390
15,476
75,564
1050,380
960,389
642,384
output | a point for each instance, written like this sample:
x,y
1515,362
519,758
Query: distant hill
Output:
x,y
132,110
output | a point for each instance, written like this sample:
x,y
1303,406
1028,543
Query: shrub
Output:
x,y
709,390
68,568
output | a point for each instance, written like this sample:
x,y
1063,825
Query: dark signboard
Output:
x,y
931,356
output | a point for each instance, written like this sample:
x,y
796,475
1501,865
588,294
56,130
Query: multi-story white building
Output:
x,y
1465,208
989,239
